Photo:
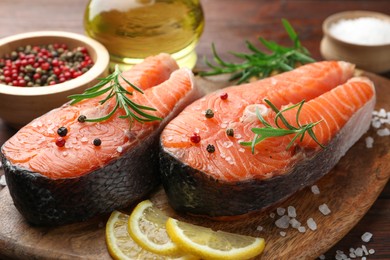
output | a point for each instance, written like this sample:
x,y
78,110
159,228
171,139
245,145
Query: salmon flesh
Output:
x,y
52,185
230,180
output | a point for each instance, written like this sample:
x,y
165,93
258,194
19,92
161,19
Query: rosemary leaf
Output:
x,y
269,131
258,63
111,84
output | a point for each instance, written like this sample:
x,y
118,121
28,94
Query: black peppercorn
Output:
x,y
210,148
209,113
230,132
97,142
81,118
62,131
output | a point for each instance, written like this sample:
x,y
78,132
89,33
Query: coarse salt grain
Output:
x,y
376,123
369,142
119,149
359,252
2,181
282,233
292,213
363,30
302,229
283,222
371,251
315,189
259,228
352,255
340,255
383,132
311,224
272,215
295,223
228,144
364,249
322,257
280,211
324,209
366,237
382,113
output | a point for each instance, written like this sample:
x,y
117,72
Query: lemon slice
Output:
x,y
147,227
120,244
209,244
122,247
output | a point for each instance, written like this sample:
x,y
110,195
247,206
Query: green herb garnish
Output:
x,y
260,64
269,131
111,85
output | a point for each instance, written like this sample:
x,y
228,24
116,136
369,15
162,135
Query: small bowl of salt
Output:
x,y
359,37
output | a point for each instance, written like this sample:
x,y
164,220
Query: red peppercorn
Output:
x,y
51,83
76,74
45,66
195,138
67,75
56,71
7,80
60,142
54,63
22,82
224,96
37,76
6,73
17,63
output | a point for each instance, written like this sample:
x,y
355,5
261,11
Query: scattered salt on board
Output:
x,y
366,237
324,209
363,30
315,189
311,224
283,222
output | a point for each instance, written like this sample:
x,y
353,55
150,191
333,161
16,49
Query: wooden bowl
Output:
x,y
20,105
374,58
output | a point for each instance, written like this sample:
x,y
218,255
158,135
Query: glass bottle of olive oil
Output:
x,y
132,30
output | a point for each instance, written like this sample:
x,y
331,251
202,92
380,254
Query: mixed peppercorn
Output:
x,y
44,65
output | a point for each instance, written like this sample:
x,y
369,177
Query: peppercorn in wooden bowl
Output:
x,y
359,37
39,70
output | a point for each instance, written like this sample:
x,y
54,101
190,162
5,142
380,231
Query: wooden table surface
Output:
x,y
228,24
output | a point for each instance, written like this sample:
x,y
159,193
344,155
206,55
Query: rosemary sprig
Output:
x,y
260,64
270,131
111,85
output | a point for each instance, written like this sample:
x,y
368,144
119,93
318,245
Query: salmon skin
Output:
x,y
229,181
53,185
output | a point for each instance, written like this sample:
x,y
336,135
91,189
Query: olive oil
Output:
x,y
132,30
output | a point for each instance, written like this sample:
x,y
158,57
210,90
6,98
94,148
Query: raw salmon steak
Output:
x,y
53,185
207,171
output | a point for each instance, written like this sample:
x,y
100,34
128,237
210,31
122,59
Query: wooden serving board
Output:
x,y
349,190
